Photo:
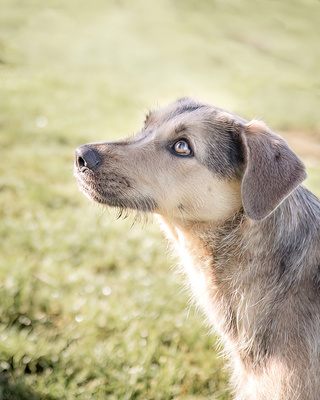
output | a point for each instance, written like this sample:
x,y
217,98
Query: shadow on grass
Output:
x,y
10,390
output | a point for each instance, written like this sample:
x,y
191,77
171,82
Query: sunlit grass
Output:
x,y
90,307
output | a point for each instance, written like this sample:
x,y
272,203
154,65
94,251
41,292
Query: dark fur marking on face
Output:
x,y
225,153
186,108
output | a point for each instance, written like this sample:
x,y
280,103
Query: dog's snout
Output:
x,y
87,157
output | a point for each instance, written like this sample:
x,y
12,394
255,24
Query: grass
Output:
x,y
89,306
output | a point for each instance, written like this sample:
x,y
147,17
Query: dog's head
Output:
x,y
192,162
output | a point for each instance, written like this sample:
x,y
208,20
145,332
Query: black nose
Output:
x,y
87,157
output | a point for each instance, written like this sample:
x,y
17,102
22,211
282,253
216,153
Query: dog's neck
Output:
x,y
206,232
208,252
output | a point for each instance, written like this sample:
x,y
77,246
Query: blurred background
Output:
x,y
89,306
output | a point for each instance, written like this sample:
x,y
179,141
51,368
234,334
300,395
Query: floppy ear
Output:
x,y
272,170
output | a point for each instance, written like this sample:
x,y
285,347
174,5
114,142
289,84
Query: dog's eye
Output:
x,y
182,148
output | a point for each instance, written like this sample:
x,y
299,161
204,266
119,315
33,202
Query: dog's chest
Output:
x,y
197,263
197,267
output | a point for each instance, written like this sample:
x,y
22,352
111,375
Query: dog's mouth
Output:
x,y
96,189
112,191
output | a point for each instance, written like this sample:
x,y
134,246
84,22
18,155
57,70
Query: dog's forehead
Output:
x,y
192,111
174,110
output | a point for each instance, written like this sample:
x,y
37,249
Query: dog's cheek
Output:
x,y
213,199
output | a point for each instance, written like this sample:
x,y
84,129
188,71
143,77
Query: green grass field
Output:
x,y
90,307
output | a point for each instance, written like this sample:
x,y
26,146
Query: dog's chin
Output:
x,y
115,200
92,195
89,188
95,196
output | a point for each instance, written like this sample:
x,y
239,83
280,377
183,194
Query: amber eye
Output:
x,y
182,148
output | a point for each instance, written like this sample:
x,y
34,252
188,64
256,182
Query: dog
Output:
x,y
228,195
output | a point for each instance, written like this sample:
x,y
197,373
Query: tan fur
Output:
x,y
256,126
247,234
